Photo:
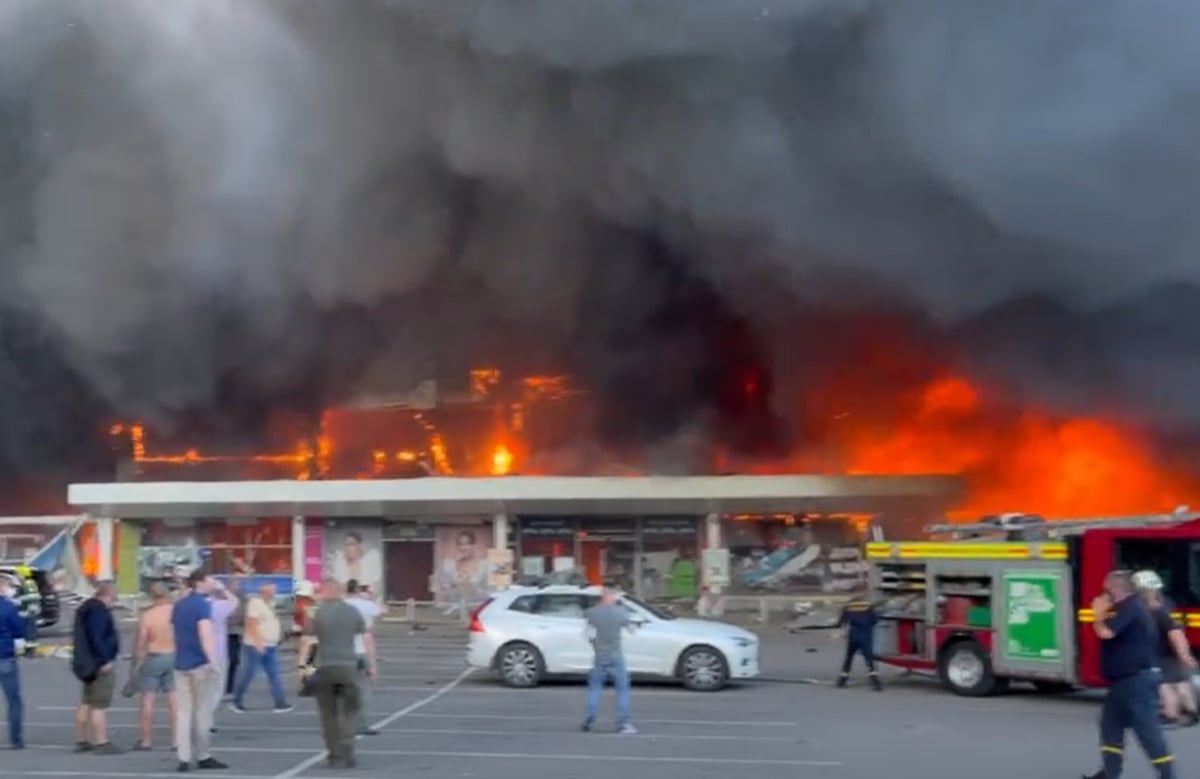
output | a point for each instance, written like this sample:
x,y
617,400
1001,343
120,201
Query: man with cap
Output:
x,y
1128,662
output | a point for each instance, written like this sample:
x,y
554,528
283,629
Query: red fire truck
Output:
x,y
985,613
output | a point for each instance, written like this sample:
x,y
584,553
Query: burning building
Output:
x,y
838,238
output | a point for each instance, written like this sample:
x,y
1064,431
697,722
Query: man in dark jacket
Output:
x,y
95,655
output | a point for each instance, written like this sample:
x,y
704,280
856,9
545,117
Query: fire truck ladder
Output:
x,y
1059,528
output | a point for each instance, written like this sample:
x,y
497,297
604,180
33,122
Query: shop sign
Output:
x,y
670,526
608,528
548,528
408,531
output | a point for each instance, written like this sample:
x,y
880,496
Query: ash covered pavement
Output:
x,y
440,722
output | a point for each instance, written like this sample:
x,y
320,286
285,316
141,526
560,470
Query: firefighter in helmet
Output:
x,y
29,601
857,620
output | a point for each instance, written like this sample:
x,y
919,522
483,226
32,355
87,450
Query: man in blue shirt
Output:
x,y
1128,643
196,674
12,640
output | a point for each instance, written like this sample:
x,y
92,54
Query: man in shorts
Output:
x,y
154,659
96,646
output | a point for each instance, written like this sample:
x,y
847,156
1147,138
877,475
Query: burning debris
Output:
x,y
830,235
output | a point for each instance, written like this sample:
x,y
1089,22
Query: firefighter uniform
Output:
x,y
1127,661
29,601
858,619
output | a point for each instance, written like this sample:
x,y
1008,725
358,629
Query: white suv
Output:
x,y
527,633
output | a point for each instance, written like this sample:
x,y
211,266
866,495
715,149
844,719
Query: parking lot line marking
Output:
x,y
542,718
121,774
164,727
308,763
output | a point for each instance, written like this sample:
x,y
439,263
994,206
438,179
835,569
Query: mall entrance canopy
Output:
x,y
513,495
518,495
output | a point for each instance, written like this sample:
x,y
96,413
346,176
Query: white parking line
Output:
x,y
125,774
543,718
163,727
308,763
613,758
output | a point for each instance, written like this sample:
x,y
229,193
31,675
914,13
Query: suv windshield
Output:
x,y
655,610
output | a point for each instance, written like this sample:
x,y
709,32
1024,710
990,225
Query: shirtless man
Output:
x,y
154,658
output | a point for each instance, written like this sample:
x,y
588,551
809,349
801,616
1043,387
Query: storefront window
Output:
x,y
670,554
546,546
170,549
263,548
787,554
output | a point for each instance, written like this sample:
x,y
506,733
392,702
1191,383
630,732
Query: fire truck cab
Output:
x,y
985,613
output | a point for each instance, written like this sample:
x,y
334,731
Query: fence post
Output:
x,y
410,610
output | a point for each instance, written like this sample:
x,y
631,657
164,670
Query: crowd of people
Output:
x,y
201,644
185,650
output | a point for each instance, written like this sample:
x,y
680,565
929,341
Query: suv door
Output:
x,y
649,646
559,632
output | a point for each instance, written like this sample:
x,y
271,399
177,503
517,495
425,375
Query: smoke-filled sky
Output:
x,y
216,203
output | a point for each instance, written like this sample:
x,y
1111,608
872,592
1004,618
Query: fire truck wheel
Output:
x,y
966,669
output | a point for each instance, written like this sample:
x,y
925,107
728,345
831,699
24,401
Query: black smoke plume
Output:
x,y
214,205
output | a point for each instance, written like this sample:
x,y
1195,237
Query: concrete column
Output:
x,y
105,539
712,602
712,531
500,531
297,549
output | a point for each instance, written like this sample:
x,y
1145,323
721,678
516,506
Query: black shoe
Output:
x,y
83,746
586,727
210,764
368,732
17,746
183,768
1098,775
140,747
108,748
841,683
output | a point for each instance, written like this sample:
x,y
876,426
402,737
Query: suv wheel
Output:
x,y
703,669
520,665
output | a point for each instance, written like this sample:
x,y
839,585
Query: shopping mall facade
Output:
x,y
446,539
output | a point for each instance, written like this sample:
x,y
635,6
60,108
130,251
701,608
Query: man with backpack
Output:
x,y
94,657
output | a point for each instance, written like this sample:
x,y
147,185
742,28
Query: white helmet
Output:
x,y
1147,580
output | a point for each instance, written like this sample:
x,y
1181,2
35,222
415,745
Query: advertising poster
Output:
x,y
500,568
716,567
314,550
461,575
354,550
1031,615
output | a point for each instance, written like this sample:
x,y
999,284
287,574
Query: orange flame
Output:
x,y
502,460
1029,462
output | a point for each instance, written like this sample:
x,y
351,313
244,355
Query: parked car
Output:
x,y
51,607
526,634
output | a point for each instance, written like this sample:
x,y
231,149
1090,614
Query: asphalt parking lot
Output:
x,y
440,722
